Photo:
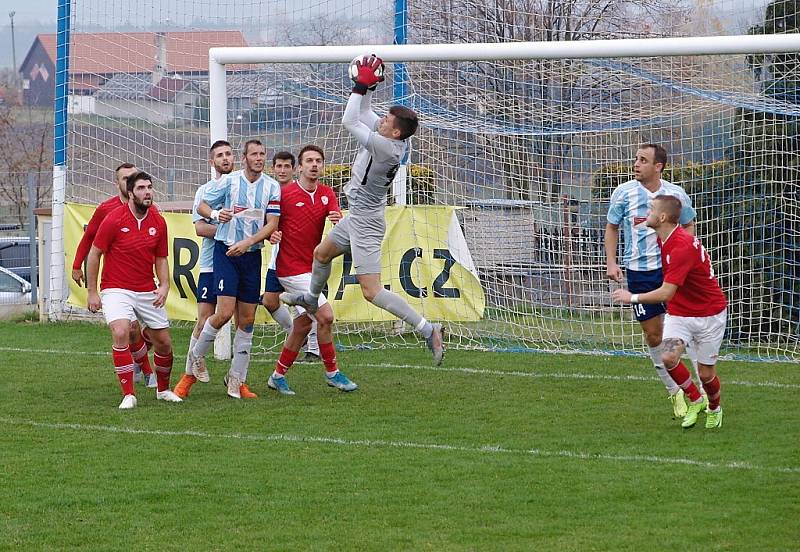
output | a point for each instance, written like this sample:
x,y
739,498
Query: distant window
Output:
x,y
7,283
26,84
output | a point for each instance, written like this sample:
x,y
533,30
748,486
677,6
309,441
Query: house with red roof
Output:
x,y
168,64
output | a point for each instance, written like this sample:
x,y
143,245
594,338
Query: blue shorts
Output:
x,y
271,282
642,281
238,277
205,288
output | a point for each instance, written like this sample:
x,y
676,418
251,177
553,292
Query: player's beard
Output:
x,y
224,170
141,206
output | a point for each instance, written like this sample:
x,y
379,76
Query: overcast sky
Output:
x,y
33,17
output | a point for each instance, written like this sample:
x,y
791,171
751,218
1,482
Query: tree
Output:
x,y
536,106
26,140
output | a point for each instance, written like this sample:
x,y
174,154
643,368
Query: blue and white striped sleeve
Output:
x,y
687,211
616,210
274,199
216,194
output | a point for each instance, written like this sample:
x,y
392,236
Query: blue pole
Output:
x,y
400,95
56,296
400,90
62,83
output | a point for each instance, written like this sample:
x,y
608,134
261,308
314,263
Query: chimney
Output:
x,y
160,69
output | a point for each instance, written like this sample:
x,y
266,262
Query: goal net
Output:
x,y
516,157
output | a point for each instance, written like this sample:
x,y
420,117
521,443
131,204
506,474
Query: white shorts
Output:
x,y
704,333
300,283
123,304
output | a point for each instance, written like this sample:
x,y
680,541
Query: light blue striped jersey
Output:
x,y
630,204
250,202
207,245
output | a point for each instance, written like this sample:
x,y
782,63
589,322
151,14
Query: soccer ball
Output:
x,y
353,70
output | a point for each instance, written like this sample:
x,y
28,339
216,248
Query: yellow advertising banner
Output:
x,y
425,260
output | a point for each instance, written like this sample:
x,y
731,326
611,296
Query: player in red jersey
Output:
x,y
306,204
138,335
696,309
133,240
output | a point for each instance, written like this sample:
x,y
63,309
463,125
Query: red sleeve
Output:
x,y
681,260
162,248
105,234
334,203
88,237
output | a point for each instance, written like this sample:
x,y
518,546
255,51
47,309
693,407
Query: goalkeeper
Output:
x,y
384,142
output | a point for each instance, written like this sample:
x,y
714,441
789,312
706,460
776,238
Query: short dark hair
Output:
x,y
218,144
285,155
659,154
671,206
405,120
133,178
123,166
310,147
251,142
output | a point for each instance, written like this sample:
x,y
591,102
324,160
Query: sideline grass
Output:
x,y
491,452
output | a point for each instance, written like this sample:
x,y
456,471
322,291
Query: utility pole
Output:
x,y
13,44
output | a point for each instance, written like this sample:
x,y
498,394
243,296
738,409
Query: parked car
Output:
x,y
15,255
14,290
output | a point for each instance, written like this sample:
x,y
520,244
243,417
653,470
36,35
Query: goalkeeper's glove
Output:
x,y
370,73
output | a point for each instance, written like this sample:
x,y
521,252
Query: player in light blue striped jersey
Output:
x,y
247,205
221,161
628,209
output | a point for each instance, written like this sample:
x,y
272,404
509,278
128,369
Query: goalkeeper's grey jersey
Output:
x,y
372,175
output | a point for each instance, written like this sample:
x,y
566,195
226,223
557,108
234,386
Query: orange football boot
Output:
x,y
184,385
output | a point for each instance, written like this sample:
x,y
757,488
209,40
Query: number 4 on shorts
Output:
x,y
221,285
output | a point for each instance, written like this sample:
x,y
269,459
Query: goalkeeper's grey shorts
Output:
x,y
362,237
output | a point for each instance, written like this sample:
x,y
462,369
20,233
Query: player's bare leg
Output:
x,y
140,345
672,350
242,347
653,328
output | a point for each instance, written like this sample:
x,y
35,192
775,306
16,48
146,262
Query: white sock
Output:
x,y
313,344
669,383
691,352
282,317
205,341
242,344
192,343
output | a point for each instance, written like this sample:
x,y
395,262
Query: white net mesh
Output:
x,y
530,149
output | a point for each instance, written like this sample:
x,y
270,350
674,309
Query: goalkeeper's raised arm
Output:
x,y
359,119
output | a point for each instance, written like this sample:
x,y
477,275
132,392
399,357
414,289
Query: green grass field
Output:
x,y
488,452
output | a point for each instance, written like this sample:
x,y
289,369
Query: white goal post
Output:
x,y
617,48
220,57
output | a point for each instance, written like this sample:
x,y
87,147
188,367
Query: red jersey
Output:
x,y
102,211
130,247
687,265
303,216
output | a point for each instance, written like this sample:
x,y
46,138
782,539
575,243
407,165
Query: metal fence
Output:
x,y
20,195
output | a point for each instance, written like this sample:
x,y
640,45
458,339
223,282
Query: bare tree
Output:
x,y
26,140
536,107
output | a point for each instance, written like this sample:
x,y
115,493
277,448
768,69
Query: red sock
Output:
x,y
328,353
713,392
285,361
123,366
139,351
682,377
163,369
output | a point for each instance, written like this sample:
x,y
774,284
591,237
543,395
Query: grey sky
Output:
x,y
33,17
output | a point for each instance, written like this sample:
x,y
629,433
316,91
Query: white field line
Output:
x,y
470,371
379,443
